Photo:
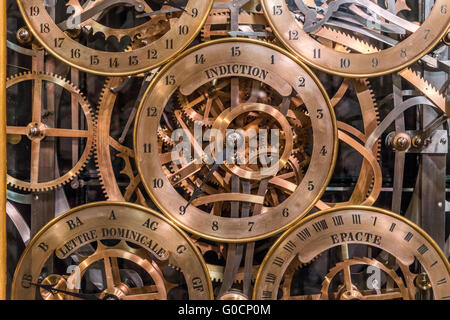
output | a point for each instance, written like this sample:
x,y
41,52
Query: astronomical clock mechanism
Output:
x,y
227,149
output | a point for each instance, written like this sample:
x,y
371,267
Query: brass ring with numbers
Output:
x,y
111,251
237,84
416,256
175,37
410,41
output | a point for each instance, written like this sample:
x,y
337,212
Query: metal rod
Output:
x,y
3,150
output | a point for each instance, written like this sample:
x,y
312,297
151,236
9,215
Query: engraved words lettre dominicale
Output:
x,y
116,232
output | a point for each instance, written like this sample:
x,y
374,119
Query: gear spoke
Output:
x,y
35,154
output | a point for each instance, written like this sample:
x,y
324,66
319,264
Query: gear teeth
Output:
x,y
90,119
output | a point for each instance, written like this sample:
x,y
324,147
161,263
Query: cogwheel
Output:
x,y
217,17
216,273
408,74
218,23
104,143
289,275
149,28
164,135
37,130
368,185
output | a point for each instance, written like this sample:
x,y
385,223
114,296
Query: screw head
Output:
x,y
24,35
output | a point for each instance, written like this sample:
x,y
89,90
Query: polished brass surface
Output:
x,y
141,236
346,226
283,77
36,131
420,39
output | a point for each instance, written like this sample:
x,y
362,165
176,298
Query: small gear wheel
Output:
x,y
39,128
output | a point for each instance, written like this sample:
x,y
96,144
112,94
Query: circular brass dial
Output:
x,y
355,225
368,63
87,59
273,68
139,235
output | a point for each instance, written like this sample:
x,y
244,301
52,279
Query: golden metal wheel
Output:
x,y
297,24
355,226
295,86
111,251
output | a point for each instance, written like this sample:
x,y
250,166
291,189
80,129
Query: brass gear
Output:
x,y
218,24
37,130
133,33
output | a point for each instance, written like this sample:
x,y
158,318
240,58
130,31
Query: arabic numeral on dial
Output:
x,y
277,10
293,35
444,9
375,62
183,30
311,185
133,60
170,80
152,54
215,225
345,63
169,44
250,226
200,59
272,59
427,32
75,53
182,210
323,151
147,148
235,51
194,12
152,112
59,42
285,212
45,28
95,60
113,62
316,53
34,11
158,183
301,82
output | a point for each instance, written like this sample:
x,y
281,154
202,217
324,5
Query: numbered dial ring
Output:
x,y
409,41
350,228
178,36
111,251
236,85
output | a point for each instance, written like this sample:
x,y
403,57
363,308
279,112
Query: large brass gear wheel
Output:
x,y
149,28
357,226
37,130
162,187
154,51
120,251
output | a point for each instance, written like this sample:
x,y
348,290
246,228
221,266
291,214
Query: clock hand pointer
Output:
x,y
53,290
